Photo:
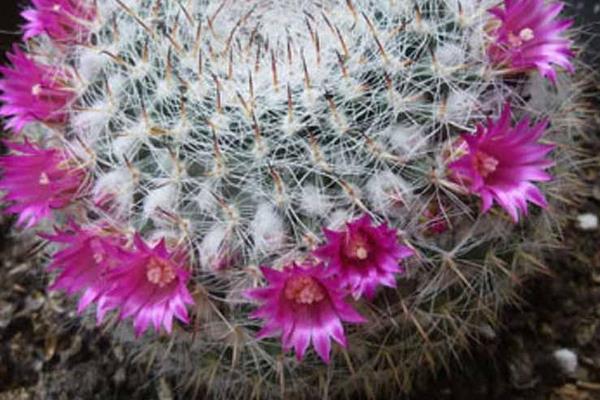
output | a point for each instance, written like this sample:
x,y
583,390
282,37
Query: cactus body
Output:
x,y
238,130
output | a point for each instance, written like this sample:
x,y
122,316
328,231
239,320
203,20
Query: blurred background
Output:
x,y
549,348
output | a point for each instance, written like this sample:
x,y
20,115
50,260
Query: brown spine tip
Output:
x,y
218,104
290,104
274,71
376,38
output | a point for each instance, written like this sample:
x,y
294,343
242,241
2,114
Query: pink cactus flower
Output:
x,y
37,181
84,263
33,92
530,37
150,285
501,163
304,305
364,256
63,20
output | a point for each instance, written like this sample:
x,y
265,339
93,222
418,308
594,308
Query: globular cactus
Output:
x,y
175,153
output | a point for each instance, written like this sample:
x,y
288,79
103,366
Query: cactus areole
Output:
x,y
304,197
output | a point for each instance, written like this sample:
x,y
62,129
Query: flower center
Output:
x,y
44,180
160,272
97,250
304,290
357,247
525,35
36,89
484,163
56,7
361,253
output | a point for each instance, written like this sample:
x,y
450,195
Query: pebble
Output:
x,y
566,360
587,221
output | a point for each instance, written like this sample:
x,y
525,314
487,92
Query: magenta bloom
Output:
x,y
502,162
146,283
149,284
305,305
364,256
33,92
62,20
37,181
530,37
84,263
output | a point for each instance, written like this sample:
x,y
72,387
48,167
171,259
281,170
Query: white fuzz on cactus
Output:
x,y
219,136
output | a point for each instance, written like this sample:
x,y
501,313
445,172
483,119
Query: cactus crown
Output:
x,y
253,124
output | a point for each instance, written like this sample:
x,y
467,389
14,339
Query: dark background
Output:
x,y
9,24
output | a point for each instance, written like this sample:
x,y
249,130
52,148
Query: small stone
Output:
x,y
37,365
587,222
566,360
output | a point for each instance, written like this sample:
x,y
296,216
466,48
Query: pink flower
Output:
x,y
502,162
84,263
33,92
38,180
530,37
304,305
62,20
150,284
364,256
146,283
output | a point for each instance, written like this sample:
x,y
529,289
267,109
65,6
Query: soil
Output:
x,y
47,353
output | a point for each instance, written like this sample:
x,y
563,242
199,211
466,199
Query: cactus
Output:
x,y
234,132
